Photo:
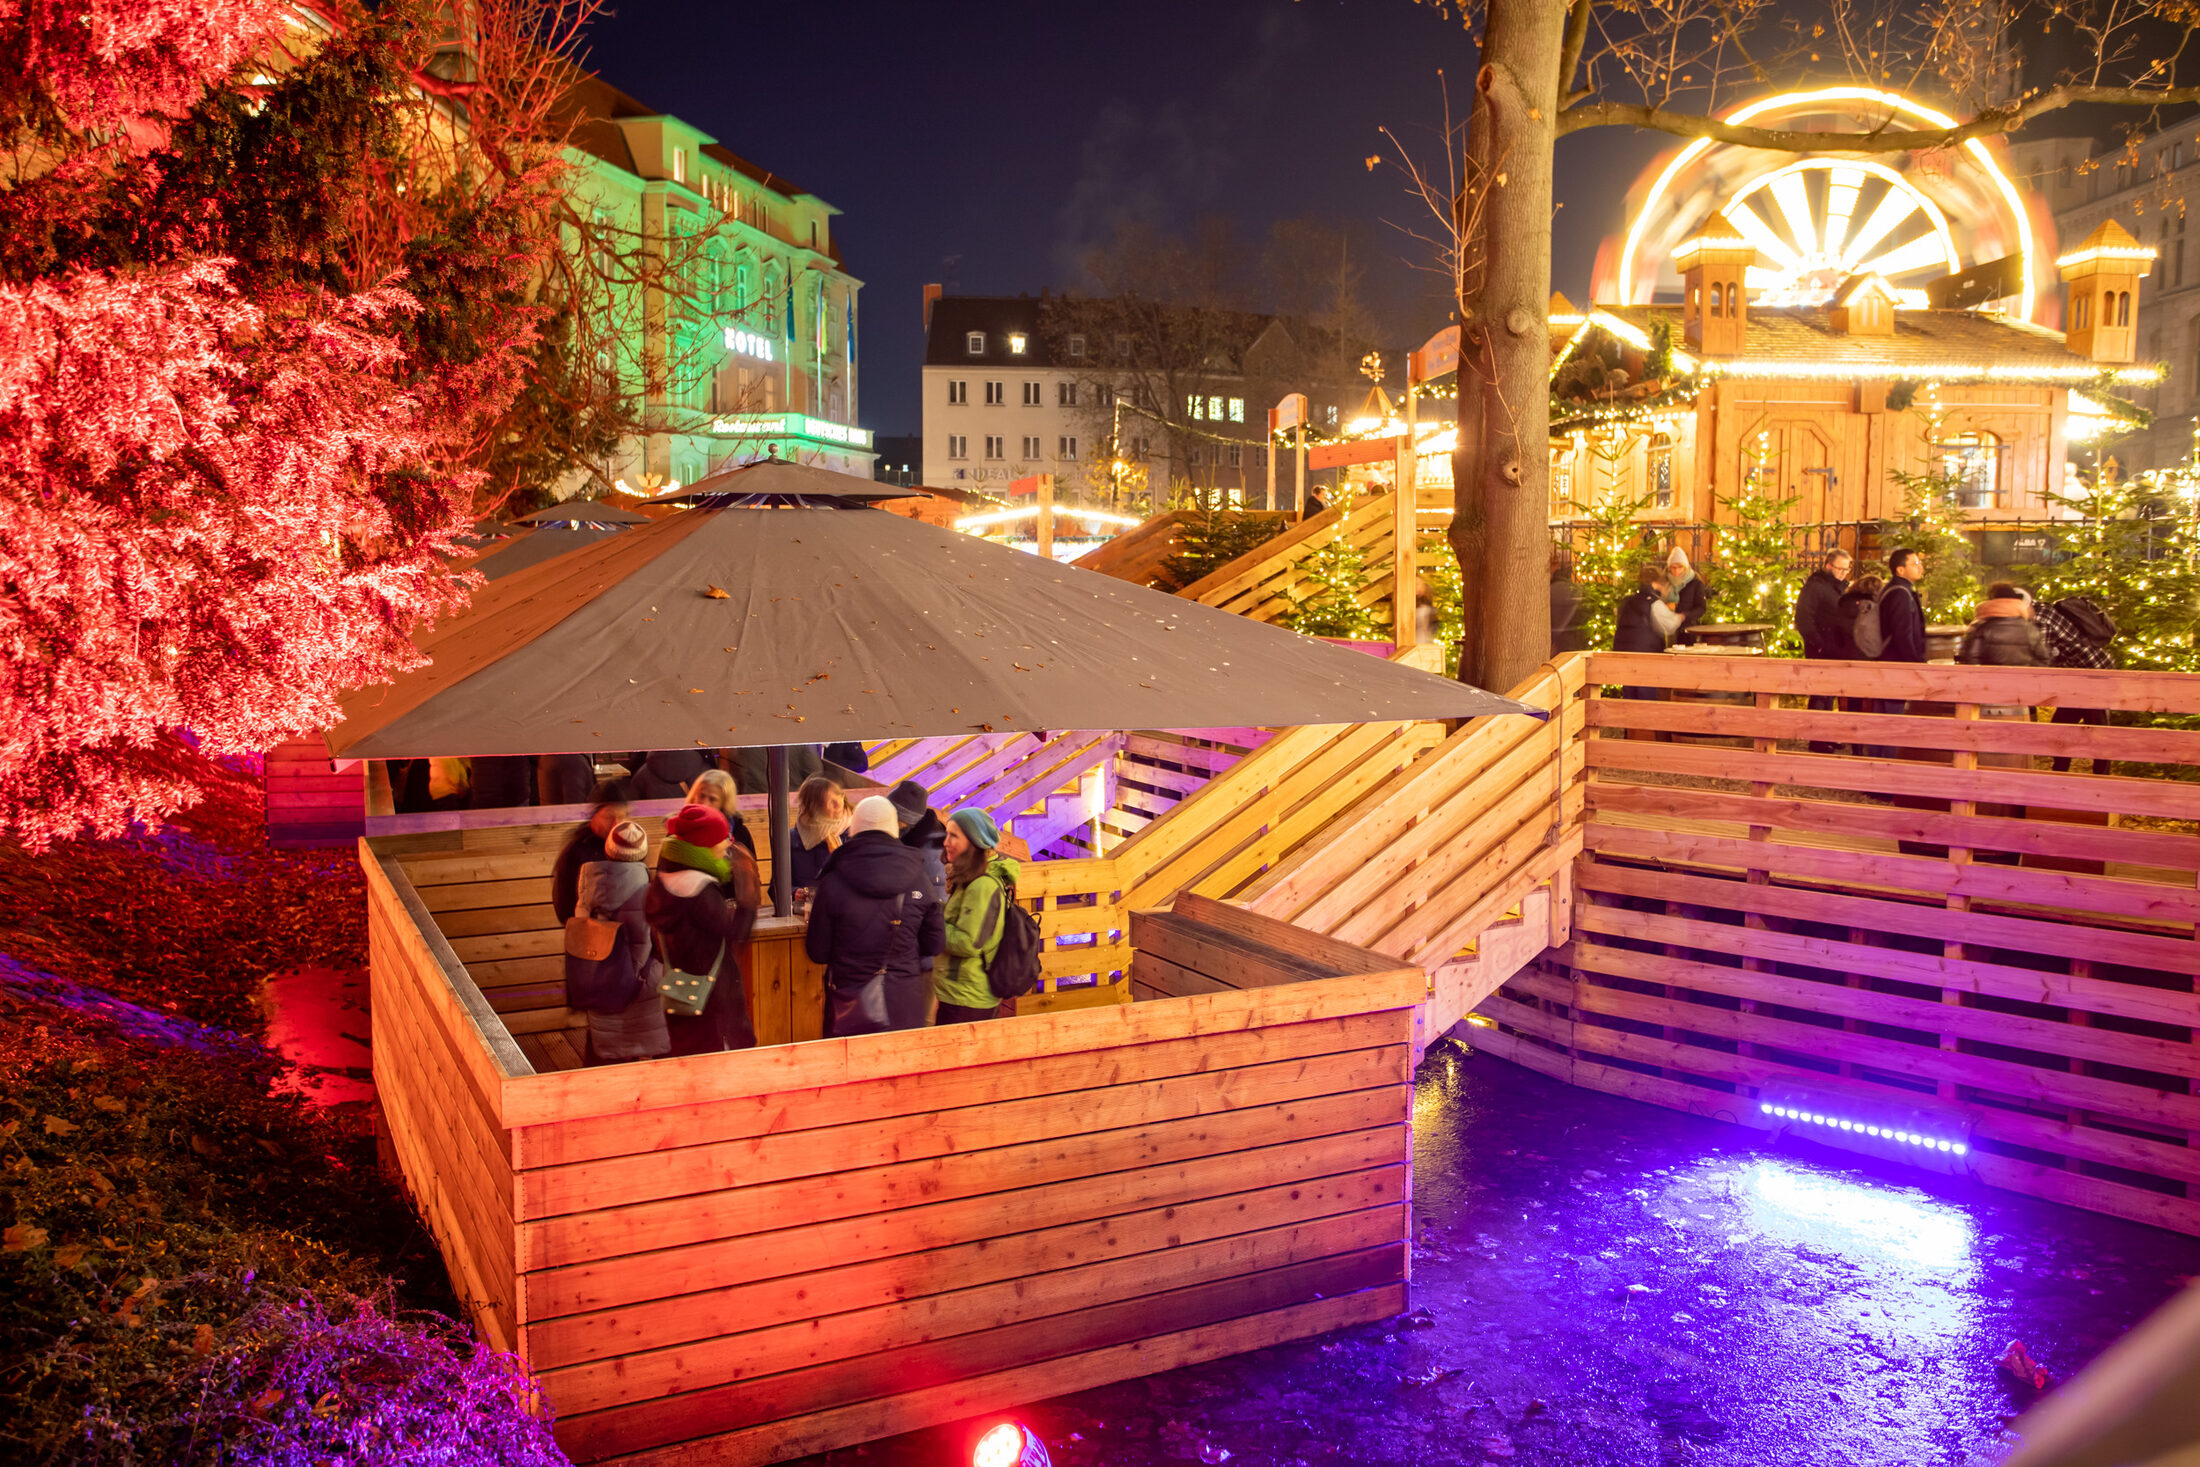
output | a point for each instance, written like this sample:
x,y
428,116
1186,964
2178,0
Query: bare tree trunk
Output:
x,y
1500,524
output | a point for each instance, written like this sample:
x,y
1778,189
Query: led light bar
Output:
x,y
1911,1129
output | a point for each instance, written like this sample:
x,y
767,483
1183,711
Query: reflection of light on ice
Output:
x,y
1855,1216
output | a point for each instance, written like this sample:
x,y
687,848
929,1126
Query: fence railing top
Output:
x,y
2135,692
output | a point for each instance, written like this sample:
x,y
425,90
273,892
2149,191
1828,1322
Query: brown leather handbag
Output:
x,y
589,936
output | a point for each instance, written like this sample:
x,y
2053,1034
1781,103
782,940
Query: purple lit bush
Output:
x,y
303,1385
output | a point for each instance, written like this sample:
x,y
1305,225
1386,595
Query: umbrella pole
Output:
x,y
775,779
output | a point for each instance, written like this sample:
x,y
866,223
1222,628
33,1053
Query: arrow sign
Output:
x,y
1438,355
1289,413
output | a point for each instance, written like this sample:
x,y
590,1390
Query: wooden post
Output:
x,y
1302,469
1046,517
775,777
1289,412
1405,565
1269,453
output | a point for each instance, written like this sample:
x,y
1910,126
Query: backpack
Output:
x,y
2088,620
1865,631
606,984
1014,970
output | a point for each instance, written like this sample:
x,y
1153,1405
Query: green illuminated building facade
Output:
x,y
718,301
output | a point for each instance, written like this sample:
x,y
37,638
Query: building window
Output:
x,y
1215,408
1237,409
992,446
1972,463
1031,394
1138,448
2123,308
1068,448
1076,345
974,343
1016,343
1661,470
958,446
679,165
2173,250
1065,394
1031,446
1237,456
958,393
1260,456
1330,413
1195,406
996,393
1123,347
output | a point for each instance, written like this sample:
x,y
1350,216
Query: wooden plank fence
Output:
x,y
750,1256
1935,912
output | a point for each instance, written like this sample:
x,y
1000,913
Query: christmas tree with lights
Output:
x,y
2133,549
1446,594
1336,576
1932,523
1609,554
1753,568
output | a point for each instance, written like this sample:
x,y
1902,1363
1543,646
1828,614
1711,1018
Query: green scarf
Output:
x,y
677,852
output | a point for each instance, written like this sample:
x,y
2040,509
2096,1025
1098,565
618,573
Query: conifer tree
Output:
x,y
1932,524
2133,549
1336,575
1753,570
1608,558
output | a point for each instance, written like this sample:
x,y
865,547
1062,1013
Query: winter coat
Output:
x,y
1638,628
564,779
751,772
1818,618
618,891
852,757
928,838
1691,600
504,782
874,913
1902,623
976,916
667,773
694,918
581,847
2004,635
806,862
1566,630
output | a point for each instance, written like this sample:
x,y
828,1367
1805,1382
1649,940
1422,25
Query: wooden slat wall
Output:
x,y
769,1253
1976,928
440,1059
1138,554
1254,584
310,803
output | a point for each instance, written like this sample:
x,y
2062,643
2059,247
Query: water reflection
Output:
x,y
1866,1220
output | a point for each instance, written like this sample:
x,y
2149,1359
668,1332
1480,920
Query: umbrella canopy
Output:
x,y
777,481
584,512
731,625
545,542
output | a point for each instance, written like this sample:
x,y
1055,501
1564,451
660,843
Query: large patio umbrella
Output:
x,y
791,612
582,512
544,542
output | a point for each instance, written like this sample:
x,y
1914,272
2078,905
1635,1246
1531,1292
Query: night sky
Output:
x,y
984,145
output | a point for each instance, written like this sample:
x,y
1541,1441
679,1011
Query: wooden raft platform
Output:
x,y
745,1257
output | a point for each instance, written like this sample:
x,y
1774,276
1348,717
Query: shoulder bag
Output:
x,y
686,993
589,936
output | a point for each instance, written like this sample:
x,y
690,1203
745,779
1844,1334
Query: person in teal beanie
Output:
x,y
980,884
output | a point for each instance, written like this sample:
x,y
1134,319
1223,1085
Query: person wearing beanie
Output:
x,y
616,889
1685,592
702,906
922,831
583,845
980,884
876,927
820,825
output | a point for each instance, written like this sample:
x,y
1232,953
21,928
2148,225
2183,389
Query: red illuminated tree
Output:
x,y
232,465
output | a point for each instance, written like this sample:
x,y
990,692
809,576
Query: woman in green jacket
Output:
x,y
980,884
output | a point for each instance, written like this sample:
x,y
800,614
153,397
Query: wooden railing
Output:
x,y
1459,862
751,1256
1933,914
1255,583
1138,554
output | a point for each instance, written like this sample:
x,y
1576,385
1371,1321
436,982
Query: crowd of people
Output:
x,y
906,914
1844,617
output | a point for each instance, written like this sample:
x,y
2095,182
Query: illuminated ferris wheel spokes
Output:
x,y
1816,241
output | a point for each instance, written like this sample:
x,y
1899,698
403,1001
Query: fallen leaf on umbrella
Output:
x,y
695,690
716,593
732,727
817,677
55,1126
21,1237
1019,667
730,649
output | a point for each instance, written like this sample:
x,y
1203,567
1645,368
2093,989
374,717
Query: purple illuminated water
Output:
x,y
1611,1284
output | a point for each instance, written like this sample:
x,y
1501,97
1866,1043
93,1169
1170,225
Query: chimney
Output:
x,y
2100,319
931,294
1714,264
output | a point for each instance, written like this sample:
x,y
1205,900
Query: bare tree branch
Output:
x,y
1989,122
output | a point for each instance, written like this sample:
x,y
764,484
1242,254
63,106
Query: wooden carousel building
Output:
x,y
1689,406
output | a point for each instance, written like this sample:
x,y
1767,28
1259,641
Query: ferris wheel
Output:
x,y
1820,217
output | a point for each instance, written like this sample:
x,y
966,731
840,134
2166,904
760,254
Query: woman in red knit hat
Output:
x,y
702,906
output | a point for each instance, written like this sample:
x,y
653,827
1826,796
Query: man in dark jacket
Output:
x,y
922,831
876,927
1902,609
1637,628
1819,622
583,846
